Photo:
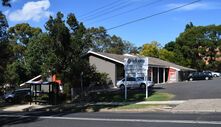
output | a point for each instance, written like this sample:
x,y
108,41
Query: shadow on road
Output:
x,y
16,120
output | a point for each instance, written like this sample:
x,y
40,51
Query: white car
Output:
x,y
133,82
215,74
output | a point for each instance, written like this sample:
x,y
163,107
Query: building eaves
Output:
x,y
153,62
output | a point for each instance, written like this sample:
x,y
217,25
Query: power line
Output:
x,y
131,10
163,12
107,8
100,8
110,11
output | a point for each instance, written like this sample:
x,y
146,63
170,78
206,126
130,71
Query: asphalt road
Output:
x,y
203,89
98,119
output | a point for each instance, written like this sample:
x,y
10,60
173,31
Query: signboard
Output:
x,y
172,75
136,67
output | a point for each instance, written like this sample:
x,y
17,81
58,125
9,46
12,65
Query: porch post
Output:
x,y
152,74
164,75
158,75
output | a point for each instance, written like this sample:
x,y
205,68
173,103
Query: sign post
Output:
x,y
136,67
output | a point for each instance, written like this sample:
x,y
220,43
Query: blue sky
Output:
x,y
162,28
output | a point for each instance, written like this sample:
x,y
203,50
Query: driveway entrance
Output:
x,y
204,89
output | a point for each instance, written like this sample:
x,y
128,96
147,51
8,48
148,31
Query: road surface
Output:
x,y
98,119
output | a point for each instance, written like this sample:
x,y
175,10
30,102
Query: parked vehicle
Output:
x,y
19,95
200,76
133,82
215,74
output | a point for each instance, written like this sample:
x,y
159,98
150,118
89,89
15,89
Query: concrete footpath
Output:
x,y
189,106
199,105
23,107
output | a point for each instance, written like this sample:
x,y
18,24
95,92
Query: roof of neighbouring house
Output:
x,y
153,62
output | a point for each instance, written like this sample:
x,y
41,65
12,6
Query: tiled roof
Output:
x,y
153,62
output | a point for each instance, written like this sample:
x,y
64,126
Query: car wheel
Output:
x,y
142,86
207,78
191,79
122,86
215,75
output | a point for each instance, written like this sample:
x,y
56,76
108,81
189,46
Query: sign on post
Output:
x,y
136,67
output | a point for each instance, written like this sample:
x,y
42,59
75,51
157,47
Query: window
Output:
x,y
131,79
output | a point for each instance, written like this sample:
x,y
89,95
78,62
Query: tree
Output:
x,y
6,3
154,50
100,39
38,55
130,48
60,38
103,42
16,73
151,50
166,55
116,45
5,52
19,36
188,26
198,47
3,27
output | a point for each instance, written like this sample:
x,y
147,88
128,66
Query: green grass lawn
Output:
x,y
133,96
160,97
135,106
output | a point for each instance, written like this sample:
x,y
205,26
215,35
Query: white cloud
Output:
x,y
31,11
196,6
14,1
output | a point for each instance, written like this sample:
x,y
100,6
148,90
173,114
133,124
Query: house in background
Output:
x,y
159,71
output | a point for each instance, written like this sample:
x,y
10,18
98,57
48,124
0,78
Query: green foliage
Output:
x,y
103,42
198,47
21,33
116,45
6,3
38,55
16,73
154,50
100,39
5,52
166,55
3,27
151,50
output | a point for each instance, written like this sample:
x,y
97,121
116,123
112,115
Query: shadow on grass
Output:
x,y
134,95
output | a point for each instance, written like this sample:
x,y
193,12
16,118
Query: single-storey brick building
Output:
x,y
159,71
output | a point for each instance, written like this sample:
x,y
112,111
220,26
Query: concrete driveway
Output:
x,y
202,89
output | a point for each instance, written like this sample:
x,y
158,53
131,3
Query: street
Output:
x,y
50,119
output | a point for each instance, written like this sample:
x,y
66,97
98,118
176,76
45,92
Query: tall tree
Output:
x,y
69,42
116,45
100,39
19,36
5,52
198,47
3,27
60,37
39,55
103,42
